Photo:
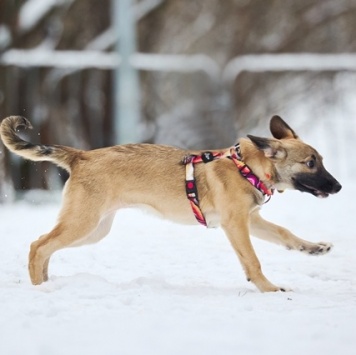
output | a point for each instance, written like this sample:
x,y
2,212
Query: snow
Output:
x,y
5,36
154,287
288,62
60,59
32,11
104,60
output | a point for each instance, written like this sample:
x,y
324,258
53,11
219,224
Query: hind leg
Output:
x,y
73,229
102,229
95,236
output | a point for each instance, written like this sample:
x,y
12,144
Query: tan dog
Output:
x,y
144,175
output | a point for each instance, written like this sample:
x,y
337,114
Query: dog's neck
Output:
x,y
262,167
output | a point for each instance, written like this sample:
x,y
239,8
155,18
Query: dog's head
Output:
x,y
296,165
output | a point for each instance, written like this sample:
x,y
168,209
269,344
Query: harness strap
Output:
x,y
247,173
192,192
206,157
190,184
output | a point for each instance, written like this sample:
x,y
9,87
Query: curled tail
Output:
x,y
60,155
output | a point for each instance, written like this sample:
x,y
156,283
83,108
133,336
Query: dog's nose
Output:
x,y
337,187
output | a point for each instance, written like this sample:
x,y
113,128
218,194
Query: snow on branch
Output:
x,y
60,59
142,8
289,62
108,38
104,60
32,11
178,63
182,63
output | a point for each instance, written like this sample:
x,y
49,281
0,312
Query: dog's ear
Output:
x,y
280,129
270,147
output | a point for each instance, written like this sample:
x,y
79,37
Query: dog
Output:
x,y
223,187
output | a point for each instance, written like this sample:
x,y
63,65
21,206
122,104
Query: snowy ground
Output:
x,y
152,287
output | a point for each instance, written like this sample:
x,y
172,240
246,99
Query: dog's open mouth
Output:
x,y
312,190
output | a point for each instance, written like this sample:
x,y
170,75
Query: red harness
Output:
x,y
206,157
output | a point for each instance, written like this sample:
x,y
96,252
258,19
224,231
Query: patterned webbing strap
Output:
x,y
247,173
190,184
206,157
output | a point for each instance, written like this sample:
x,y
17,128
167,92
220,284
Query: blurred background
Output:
x,y
194,74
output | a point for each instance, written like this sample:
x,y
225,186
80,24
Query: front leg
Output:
x,y
236,228
268,231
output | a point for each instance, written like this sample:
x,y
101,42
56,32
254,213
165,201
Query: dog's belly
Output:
x,y
180,217
187,218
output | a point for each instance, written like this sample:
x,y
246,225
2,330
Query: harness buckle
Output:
x,y
207,157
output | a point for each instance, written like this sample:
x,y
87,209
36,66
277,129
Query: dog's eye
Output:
x,y
310,164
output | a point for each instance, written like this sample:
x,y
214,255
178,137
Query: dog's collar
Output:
x,y
234,153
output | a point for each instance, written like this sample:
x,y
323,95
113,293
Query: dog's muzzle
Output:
x,y
320,185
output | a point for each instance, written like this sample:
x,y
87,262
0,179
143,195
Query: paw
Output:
x,y
265,286
276,289
285,289
317,248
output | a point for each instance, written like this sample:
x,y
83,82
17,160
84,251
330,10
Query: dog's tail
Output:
x,y
60,155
